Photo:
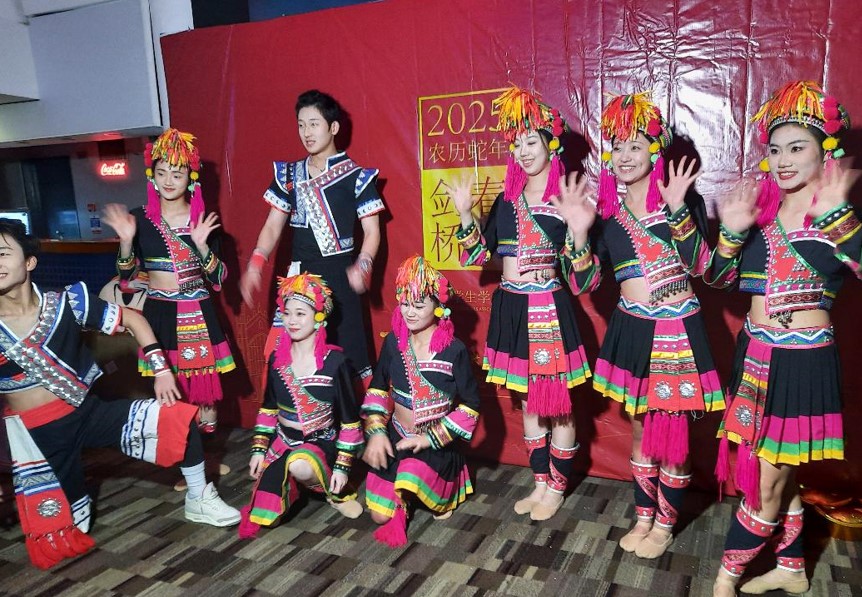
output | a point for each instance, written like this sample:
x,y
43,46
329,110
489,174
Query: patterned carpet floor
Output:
x,y
145,547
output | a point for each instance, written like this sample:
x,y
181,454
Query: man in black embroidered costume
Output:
x,y
323,196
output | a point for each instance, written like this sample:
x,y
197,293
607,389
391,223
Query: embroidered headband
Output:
x,y
308,288
177,149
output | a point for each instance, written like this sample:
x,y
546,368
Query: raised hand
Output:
x,y
117,216
202,229
833,190
576,205
738,211
680,178
462,195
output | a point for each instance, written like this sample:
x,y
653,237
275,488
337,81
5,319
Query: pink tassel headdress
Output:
x,y
314,292
177,149
521,112
417,279
806,104
623,118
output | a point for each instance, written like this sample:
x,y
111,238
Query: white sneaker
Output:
x,y
211,509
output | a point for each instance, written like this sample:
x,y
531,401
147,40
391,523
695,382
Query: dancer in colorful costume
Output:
x,y
323,196
786,245
655,357
533,346
422,398
308,430
177,245
46,373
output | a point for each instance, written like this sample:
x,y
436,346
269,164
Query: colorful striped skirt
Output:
x,y
534,346
439,478
785,395
276,490
187,328
658,358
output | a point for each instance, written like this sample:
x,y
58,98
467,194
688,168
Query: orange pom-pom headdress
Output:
x,y
415,280
806,104
520,112
623,118
177,149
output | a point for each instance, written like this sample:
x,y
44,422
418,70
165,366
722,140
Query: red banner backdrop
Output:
x,y
710,65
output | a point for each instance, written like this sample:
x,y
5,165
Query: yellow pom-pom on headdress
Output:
x,y
520,111
625,116
308,288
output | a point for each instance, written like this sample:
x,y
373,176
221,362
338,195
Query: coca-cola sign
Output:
x,y
113,169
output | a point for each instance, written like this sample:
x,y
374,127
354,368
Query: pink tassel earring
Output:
x,y
608,199
399,328
653,198
552,189
516,179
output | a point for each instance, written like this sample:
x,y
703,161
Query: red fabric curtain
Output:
x,y
710,66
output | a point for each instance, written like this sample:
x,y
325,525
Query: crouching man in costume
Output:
x,y
46,374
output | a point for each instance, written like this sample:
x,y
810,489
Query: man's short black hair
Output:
x,y
15,229
325,104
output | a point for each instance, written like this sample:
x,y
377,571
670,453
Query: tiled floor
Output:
x,y
144,546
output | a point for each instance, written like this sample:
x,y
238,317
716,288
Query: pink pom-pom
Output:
x,y
552,188
442,336
148,155
399,328
653,198
608,198
606,136
763,137
832,126
768,200
830,102
654,128
831,113
557,129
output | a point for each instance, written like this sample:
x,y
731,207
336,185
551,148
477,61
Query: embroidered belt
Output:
x,y
530,287
177,295
802,338
683,308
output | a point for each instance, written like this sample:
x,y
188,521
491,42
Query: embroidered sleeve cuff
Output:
x,y
681,224
468,237
439,436
581,260
374,424
729,243
343,462
839,224
126,263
